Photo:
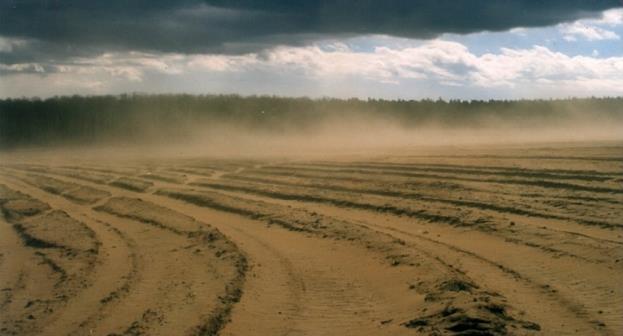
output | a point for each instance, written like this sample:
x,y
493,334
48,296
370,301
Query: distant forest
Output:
x,y
84,120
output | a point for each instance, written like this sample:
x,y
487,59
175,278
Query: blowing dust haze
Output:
x,y
234,126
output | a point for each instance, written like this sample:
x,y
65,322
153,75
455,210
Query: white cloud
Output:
x,y
432,60
452,64
549,69
573,31
22,67
520,31
219,63
8,45
613,17
537,70
593,29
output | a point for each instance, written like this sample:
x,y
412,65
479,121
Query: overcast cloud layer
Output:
x,y
394,48
67,28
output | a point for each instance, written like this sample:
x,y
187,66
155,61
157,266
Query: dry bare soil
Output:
x,y
474,241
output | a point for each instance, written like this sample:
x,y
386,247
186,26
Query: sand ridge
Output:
x,y
510,242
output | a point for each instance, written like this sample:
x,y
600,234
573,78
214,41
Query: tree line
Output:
x,y
128,117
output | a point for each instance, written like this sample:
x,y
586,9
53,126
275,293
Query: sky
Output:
x,y
394,49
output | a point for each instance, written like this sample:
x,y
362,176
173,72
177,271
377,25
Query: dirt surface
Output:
x,y
442,241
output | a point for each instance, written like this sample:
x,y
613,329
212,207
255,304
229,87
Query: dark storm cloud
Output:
x,y
58,29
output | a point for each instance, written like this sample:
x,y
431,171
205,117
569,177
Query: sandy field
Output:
x,y
448,241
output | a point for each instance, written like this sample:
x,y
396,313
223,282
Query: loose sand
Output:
x,y
476,241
